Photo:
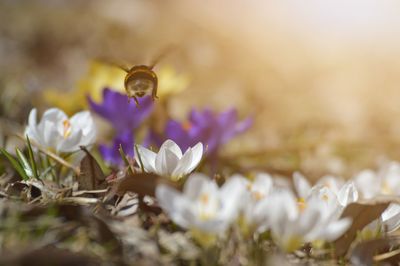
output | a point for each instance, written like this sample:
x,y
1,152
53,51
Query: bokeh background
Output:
x,y
321,78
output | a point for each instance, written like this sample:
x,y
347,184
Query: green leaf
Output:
x,y
16,165
24,163
32,158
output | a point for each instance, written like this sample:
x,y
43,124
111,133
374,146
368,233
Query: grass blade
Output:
x,y
126,161
32,158
24,163
15,164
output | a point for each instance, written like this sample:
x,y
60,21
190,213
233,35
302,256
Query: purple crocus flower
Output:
x,y
111,153
207,127
123,114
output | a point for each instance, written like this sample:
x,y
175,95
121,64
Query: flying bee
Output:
x,y
141,80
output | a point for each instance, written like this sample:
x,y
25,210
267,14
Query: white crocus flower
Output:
x,y
329,189
202,206
253,212
170,161
57,132
292,224
385,182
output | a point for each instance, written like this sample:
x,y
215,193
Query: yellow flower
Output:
x,y
103,75
99,76
170,82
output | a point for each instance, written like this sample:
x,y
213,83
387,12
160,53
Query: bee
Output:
x,y
141,80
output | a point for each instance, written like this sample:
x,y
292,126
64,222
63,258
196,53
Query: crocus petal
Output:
x,y
301,185
189,160
173,147
391,218
183,166
335,229
71,143
148,159
111,153
166,162
231,193
347,194
172,202
196,183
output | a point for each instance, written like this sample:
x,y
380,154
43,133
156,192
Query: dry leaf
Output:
x,y
362,214
376,251
91,176
141,183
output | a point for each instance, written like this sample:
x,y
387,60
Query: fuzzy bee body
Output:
x,y
140,81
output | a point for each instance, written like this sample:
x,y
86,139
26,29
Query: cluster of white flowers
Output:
x,y
305,214
258,206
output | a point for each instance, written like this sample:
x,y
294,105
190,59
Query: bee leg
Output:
x,y
136,101
154,94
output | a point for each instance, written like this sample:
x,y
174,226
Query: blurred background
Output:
x,y
321,78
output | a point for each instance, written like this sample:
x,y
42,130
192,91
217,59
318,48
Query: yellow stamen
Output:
x,y
386,189
187,126
301,204
258,195
325,197
67,128
204,198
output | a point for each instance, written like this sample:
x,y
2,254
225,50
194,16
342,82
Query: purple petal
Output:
x,y
111,153
123,114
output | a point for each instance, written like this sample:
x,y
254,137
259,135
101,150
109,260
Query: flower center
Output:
x,y
187,125
325,197
67,128
386,189
204,199
301,204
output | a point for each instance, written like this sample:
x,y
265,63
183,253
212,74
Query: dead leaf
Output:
x,y
362,214
376,251
90,177
141,183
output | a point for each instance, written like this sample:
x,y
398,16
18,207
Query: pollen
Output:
x,y
187,126
325,197
386,189
258,195
67,128
301,204
204,198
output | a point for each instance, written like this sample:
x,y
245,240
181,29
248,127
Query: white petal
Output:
x,y
263,183
196,183
172,146
391,218
231,193
71,143
301,185
166,162
54,115
51,134
148,159
189,160
367,183
347,194
173,203
335,229
31,129
183,166
197,154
